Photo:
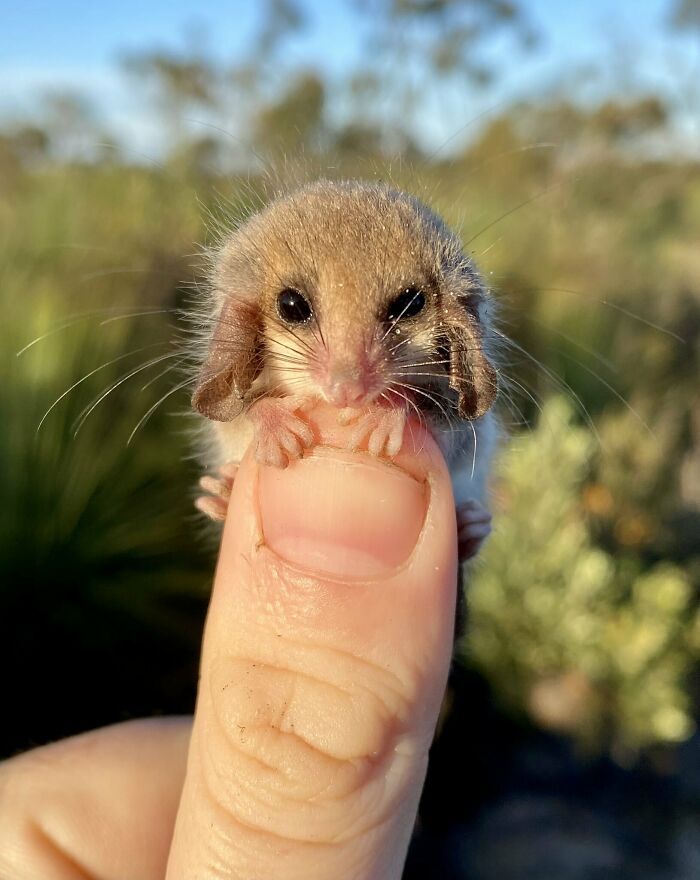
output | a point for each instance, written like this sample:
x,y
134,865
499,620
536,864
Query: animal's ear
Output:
x,y
472,375
232,364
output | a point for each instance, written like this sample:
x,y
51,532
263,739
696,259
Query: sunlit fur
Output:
x,y
351,248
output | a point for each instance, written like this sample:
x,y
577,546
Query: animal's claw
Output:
x,y
215,503
381,429
280,435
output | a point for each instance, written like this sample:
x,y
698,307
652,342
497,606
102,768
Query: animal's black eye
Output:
x,y
406,305
293,307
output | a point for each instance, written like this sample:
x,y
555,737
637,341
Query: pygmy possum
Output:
x,y
358,295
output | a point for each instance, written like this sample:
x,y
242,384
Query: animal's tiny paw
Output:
x,y
381,429
280,435
215,503
473,527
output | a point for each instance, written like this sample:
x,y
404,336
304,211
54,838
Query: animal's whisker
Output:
x,y
142,421
606,362
509,380
471,425
432,363
396,320
420,373
116,270
292,370
513,210
86,412
559,383
278,342
162,373
445,412
285,357
407,399
142,314
614,306
419,414
286,328
431,389
513,408
88,375
72,320
613,391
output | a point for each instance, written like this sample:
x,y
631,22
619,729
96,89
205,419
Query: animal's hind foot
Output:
x,y
215,503
473,527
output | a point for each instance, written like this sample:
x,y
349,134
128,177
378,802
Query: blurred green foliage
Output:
x,y
584,602
101,557
586,642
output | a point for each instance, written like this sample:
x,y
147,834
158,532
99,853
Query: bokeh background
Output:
x,y
563,142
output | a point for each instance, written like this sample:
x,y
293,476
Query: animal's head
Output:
x,y
352,292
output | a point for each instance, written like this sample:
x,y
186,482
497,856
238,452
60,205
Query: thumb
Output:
x,y
325,659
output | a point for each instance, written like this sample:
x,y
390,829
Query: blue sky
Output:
x,y
75,45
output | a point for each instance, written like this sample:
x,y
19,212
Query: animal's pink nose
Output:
x,y
346,389
346,394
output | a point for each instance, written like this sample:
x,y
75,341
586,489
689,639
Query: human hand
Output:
x,y
325,658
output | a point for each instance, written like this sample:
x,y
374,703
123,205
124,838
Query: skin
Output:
x,y
357,257
309,746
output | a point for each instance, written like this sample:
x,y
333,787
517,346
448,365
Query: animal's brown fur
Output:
x,y
349,247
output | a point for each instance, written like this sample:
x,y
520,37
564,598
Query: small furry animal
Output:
x,y
356,294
